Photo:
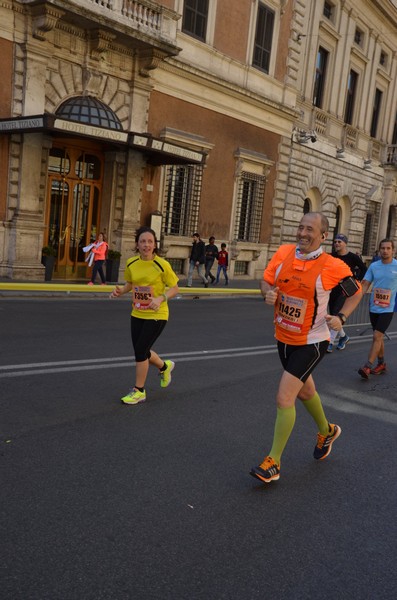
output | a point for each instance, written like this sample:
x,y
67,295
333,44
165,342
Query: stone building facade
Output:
x,y
192,115
346,82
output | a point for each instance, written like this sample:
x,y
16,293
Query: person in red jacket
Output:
x,y
99,251
223,263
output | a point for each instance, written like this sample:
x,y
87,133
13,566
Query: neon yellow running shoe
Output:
x,y
134,397
166,375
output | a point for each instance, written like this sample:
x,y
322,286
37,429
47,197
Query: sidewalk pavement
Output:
x,y
60,287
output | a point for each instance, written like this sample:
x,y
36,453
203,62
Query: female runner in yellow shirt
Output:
x,y
147,276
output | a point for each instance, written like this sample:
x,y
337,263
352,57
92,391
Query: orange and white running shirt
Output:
x,y
304,288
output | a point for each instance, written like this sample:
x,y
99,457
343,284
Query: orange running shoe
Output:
x,y
324,442
267,471
380,368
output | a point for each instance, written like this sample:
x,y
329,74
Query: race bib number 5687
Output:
x,y
382,297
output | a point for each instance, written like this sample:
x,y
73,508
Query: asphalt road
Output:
x,y
155,502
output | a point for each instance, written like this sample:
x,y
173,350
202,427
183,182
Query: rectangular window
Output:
x,y
367,235
383,59
328,10
263,38
195,18
249,207
376,112
394,138
182,199
319,82
358,37
351,96
241,267
177,265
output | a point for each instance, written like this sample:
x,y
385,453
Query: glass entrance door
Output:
x,y
73,207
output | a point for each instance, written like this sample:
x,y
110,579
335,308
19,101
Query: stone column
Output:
x,y
131,210
140,98
25,228
26,225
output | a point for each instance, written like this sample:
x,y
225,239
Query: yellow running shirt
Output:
x,y
149,278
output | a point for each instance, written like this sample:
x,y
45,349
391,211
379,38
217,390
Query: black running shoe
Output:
x,y
267,471
324,442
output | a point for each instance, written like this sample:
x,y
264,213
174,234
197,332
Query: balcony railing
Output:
x,y
142,15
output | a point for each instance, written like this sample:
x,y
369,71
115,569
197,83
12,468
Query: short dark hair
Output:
x,y
324,223
386,241
212,238
145,229
196,234
223,245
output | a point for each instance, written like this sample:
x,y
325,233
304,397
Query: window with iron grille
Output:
x,y
249,207
263,38
182,199
241,267
195,17
177,265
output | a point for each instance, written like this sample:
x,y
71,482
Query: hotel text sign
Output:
x,y
159,145
82,129
18,124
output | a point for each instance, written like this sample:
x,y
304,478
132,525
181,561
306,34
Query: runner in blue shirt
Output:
x,y
382,275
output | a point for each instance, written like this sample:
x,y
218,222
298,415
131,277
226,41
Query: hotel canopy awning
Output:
x,y
88,117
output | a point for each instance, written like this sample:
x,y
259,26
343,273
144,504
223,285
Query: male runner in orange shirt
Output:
x,y
298,282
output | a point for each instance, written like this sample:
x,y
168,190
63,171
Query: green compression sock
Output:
x,y
315,409
283,427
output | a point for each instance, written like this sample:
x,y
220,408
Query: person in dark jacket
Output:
x,y
197,260
211,253
337,297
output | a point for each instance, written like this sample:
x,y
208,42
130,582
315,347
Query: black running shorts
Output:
x,y
301,361
380,321
144,332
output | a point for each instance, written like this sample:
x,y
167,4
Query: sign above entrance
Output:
x,y
24,124
114,135
157,150
163,147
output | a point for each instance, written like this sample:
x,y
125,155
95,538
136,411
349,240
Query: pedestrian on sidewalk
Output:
x,y
97,256
337,296
223,263
297,282
152,282
197,260
211,253
382,275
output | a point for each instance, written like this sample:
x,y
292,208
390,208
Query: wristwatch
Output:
x,y
342,317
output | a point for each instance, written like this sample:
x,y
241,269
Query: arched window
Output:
x,y
86,109
306,206
337,220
